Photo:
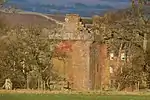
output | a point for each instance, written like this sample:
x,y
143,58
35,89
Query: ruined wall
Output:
x,y
95,71
99,69
77,67
72,22
102,32
80,56
74,29
104,66
84,70
80,65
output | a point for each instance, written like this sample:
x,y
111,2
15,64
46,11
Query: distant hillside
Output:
x,y
57,17
26,20
78,8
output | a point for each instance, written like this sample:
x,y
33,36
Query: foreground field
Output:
x,y
17,96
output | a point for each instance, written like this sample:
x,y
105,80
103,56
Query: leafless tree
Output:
x,y
26,55
126,31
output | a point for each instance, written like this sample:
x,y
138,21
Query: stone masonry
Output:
x,y
86,62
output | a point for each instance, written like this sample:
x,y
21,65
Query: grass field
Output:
x,y
69,97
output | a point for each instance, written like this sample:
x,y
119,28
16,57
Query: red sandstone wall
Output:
x,y
98,67
80,65
77,64
99,70
86,66
95,71
104,66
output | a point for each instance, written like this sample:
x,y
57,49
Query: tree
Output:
x,y
27,52
124,31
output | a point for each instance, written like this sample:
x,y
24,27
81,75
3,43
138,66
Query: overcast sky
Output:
x,y
109,2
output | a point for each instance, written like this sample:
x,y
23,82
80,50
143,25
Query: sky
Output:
x,y
89,2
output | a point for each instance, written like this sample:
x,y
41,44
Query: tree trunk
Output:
x,y
138,86
38,84
28,82
44,85
145,42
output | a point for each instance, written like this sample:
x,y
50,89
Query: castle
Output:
x,y
86,66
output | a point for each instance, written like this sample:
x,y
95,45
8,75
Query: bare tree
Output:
x,y
126,33
28,52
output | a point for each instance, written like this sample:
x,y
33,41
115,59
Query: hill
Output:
x,y
29,19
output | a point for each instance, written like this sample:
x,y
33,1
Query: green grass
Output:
x,y
68,97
